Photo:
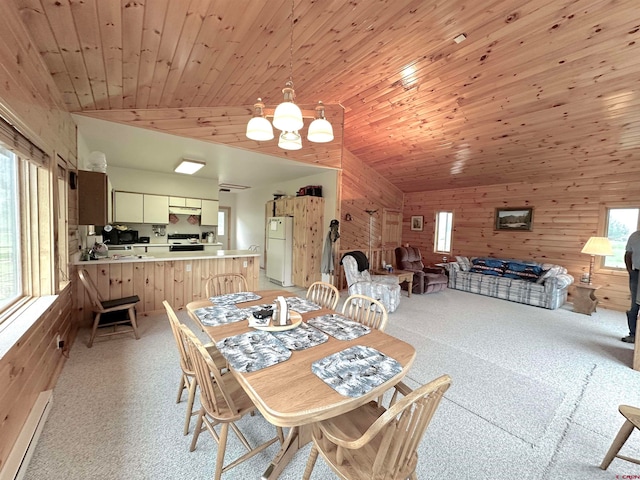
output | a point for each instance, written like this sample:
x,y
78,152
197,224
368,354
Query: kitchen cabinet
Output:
x,y
156,209
128,207
308,227
185,202
209,215
92,198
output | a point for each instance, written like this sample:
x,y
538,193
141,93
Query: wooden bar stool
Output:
x,y
632,414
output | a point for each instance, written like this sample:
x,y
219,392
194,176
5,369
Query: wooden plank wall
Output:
x,y
364,189
566,214
154,282
30,100
30,367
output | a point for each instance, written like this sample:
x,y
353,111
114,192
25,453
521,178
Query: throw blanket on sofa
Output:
x,y
539,284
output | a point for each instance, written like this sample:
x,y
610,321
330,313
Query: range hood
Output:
x,y
185,210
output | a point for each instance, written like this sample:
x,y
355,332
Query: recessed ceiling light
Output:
x,y
189,167
460,38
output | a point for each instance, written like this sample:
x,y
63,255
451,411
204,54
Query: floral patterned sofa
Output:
x,y
538,284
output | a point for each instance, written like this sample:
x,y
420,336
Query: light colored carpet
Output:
x,y
534,396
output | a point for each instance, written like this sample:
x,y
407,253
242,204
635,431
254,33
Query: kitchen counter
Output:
x,y
178,277
122,256
165,244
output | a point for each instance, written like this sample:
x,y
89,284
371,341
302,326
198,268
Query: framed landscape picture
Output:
x,y
520,218
416,222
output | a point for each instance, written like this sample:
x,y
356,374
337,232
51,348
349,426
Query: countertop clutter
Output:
x,y
132,256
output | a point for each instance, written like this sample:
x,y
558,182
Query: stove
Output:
x,y
186,247
182,242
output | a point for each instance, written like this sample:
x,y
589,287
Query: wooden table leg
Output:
x,y
410,286
297,438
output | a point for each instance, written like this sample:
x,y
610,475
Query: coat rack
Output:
x,y
370,212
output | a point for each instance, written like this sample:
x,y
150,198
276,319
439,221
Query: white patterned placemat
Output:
x,y
339,327
233,298
301,338
252,351
223,314
302,305
356,370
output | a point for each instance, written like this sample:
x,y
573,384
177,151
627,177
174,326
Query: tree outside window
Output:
x,y
621,223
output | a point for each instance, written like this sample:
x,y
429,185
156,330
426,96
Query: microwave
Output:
x,y
120,237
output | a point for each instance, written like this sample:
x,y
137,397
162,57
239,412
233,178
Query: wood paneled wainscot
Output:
x,y
178,278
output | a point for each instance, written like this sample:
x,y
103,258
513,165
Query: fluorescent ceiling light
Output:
x,y
189,166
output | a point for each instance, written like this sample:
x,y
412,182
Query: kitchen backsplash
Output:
x,y
183,225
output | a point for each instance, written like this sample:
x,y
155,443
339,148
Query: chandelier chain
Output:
x,y
291,46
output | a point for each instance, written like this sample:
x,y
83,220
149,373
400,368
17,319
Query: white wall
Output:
x,y
178,185
250,207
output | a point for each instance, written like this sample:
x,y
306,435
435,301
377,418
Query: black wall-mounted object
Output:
x,y
73,180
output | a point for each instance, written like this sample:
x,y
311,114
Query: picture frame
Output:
x,y
514,219
417,222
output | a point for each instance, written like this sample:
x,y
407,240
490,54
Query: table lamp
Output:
x,y
600,246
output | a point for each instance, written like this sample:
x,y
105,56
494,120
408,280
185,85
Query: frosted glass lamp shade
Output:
x,y
290,141
259,129
288,117
320,131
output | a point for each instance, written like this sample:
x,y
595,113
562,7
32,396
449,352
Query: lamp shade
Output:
x,y
288,117
260,129
320,131
598,246
290,141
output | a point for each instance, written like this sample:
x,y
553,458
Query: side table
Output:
x,y
585,300
403,276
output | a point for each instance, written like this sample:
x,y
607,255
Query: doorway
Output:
x,y
224,227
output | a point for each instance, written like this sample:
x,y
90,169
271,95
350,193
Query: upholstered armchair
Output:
x,y
425,279
384,288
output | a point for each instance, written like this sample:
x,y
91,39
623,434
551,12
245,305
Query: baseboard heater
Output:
x,y
16,465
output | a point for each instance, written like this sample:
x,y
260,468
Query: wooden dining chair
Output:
x,y
366,310
223,403
324,294
374,442
225,283
188,379
109,313
632,416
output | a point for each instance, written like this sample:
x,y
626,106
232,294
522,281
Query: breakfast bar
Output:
x,y
178,277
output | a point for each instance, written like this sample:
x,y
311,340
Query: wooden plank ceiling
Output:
x,y
539,89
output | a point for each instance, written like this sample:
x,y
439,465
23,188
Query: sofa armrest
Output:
x,y
559,282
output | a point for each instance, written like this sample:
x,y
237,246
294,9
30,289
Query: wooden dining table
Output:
x,y
289,394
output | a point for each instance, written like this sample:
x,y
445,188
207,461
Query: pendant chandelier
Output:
x,y
287,116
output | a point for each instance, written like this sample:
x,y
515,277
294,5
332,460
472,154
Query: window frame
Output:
x,y
37,201
436,230
603,226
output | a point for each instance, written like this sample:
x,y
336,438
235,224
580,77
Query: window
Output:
x,y
221,220
621,222
27,221
10,258
444,228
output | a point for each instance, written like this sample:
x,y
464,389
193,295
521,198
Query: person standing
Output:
x,y
632,262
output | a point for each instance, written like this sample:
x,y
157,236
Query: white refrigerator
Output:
x,y
280,250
